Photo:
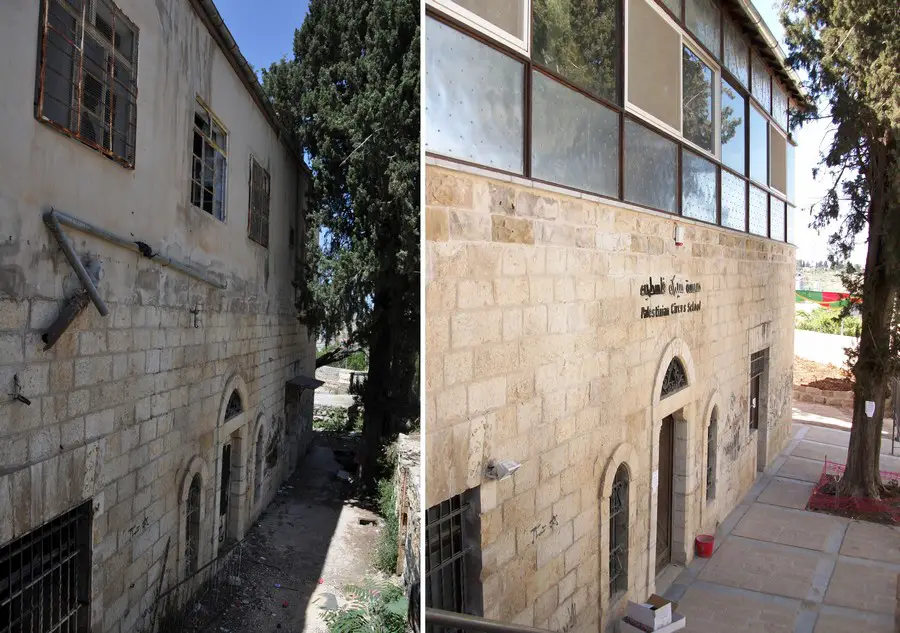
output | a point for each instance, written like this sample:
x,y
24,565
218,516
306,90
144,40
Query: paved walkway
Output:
x,y
780,569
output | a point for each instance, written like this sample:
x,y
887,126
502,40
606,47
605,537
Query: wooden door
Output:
x,y
664,494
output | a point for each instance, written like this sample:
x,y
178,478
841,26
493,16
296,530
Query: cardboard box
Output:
x,y
654,614
678,622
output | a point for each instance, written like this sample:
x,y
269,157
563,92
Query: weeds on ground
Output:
x,y
386,550
340,420
371,608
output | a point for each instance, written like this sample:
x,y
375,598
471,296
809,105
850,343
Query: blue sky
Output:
x,y
264,29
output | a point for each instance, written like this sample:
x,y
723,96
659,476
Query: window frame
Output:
x,y
485,27
267,180
716,113
200,103
619,522
630,112
76,87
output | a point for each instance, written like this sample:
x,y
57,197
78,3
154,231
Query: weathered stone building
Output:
x,y
609,302
137,444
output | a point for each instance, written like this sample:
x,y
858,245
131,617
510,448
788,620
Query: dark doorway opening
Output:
x,y
223,497
664,493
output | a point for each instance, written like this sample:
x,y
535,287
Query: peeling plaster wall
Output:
x,y
536,352
122,405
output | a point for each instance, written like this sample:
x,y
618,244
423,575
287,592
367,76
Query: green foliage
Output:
x,y
339,420
386,550
358,361
828,322
371,608
351,97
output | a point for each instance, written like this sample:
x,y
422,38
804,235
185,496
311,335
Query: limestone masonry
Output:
x,y
571,335
156,434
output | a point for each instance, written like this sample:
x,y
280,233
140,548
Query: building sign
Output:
x,y
669,288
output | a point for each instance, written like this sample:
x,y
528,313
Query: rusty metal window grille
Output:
x,y
711,454
675,379
45,577
758,363
87,76
447,557
258,228
234,406
618,533
209,163
192,526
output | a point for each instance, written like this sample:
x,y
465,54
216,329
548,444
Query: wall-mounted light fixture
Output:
x,y
501,469
679,235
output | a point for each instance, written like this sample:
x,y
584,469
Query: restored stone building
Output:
x,y
609,302
151,361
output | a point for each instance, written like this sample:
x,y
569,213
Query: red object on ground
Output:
x,y
284,604
885,510
321,581
705,543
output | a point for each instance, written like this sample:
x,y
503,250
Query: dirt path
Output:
x,y
312,540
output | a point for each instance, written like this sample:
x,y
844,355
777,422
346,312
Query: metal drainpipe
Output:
x,y
53,219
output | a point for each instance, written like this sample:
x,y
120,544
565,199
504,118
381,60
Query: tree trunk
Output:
x,y
861,475
378,387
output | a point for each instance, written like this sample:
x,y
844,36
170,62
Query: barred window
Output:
x,y
259,204
209,163
87,76
192,527
45,576
453,556
618,533
711,454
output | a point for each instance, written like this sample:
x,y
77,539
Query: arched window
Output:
x,y
711,454
192,528
618,533
235,406
258,465
675,379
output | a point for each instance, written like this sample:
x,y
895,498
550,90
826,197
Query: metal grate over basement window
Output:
x,y
45,577
258,228
87,76
452,558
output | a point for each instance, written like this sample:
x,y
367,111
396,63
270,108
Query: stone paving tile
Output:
x,y
788,493
819,451
862,584
801,468
765,567
792,527
873,541
839,620
715,609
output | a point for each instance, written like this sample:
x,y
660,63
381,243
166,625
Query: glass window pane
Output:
x,y
789,230
734,201
733,132
508,15
702,19
580,45
777,218
779,106
697,100
759,214
654,65
698,188
474,100
762,88
575,141
650,168
777,160
790,172
674,6
737,53
759,151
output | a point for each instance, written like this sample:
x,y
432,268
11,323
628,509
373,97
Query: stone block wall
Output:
x,y
126,409
536,352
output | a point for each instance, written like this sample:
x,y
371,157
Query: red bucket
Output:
x,y
705,544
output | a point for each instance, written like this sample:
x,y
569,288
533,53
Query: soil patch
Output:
x,y
808,373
